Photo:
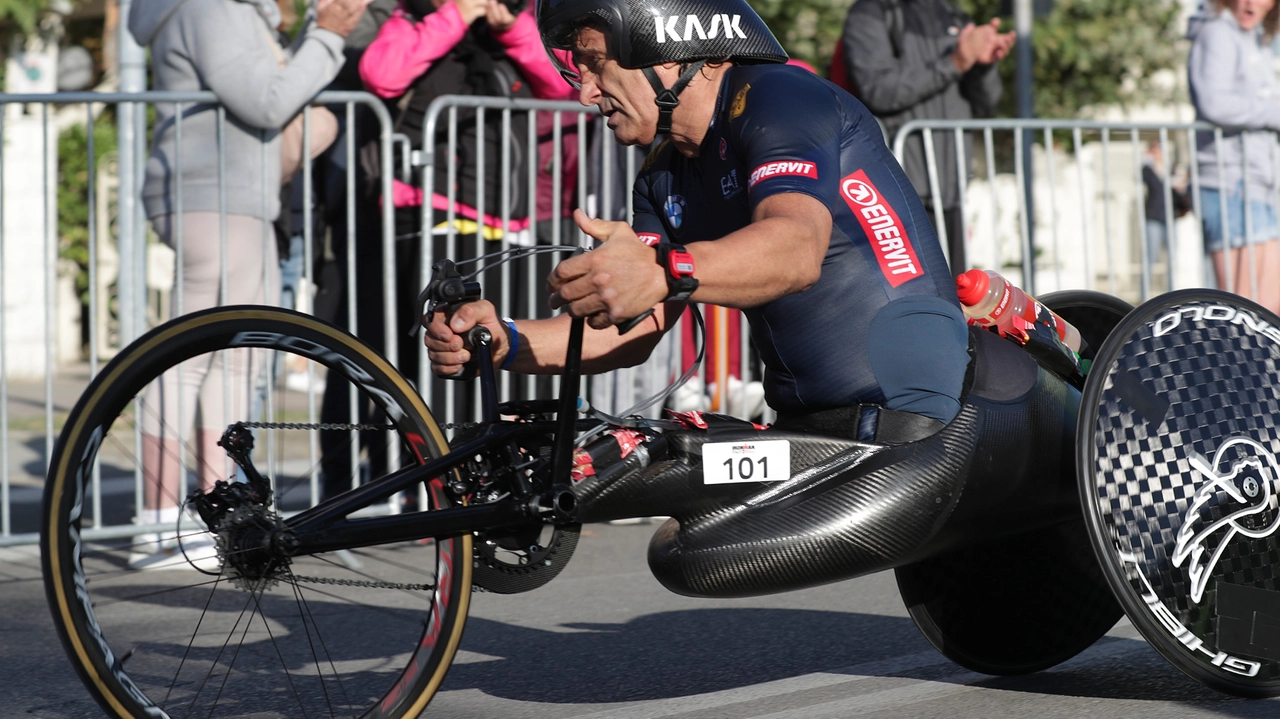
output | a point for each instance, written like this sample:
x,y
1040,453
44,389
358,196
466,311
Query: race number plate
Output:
x,y
746,461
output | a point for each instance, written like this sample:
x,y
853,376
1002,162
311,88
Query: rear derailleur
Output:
x,y
254,546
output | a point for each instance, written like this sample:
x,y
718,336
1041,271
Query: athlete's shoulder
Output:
x,y
776,80
781,98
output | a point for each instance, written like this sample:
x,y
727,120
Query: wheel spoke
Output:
x,y
175,640
304,610
186,652
283,664
218,657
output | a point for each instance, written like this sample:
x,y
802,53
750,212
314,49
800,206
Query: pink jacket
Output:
x,y
404,50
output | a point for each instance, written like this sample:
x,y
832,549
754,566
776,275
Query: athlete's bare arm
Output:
x,y
778,254
542,342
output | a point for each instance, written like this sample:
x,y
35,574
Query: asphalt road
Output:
x,y
605,641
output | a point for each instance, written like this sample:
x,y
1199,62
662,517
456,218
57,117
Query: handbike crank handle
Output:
x,y
477,337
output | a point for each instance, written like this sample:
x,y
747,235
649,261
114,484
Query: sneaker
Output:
x,y
690,397
301,382
193,551
744,402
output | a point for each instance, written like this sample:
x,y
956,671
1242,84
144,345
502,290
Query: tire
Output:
x,y
1027,602
368,632
1177,447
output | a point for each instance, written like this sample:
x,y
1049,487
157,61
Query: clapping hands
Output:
x,y
981,45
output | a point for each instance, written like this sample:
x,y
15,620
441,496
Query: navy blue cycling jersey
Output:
x,y
782,129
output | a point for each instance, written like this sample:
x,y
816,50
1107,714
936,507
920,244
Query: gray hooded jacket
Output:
x,y
228,47
920,83
1233,85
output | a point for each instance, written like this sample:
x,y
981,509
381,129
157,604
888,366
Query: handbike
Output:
x,y
1015,545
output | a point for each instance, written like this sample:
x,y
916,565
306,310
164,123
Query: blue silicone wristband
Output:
x,y
515,343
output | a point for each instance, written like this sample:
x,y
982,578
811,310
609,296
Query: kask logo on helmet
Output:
x,y
666,27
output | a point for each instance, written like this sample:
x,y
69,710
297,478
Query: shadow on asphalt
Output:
x,y
674,654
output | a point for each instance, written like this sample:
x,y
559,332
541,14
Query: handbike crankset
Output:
x,y
510,562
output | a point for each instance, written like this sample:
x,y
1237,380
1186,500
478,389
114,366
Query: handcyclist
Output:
x,y
773,192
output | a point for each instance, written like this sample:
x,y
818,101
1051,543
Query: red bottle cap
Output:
x,y
972,286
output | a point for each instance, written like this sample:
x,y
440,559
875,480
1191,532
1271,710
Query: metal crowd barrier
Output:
x,y
125,271
566,157
1078,220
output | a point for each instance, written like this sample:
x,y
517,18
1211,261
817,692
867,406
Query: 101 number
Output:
x,y
747,468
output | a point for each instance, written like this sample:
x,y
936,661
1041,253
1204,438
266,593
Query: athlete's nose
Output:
x,y
588,93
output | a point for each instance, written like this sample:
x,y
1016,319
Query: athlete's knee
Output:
x,y
918,348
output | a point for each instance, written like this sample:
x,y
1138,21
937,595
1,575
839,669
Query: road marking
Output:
x,y
921,691
855,704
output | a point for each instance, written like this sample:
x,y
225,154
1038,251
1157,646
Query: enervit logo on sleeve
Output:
x,y
894,253
793,168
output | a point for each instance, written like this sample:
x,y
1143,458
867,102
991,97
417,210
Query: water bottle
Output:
x,y
988,300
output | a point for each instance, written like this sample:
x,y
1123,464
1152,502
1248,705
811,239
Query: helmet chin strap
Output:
x,y
667,98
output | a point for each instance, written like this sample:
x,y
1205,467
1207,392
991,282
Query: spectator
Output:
x,y
1157,229
426,49
1233,84
430,48
328,196
925,59
228,47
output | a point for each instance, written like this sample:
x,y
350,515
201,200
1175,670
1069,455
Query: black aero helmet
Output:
x,y
643,33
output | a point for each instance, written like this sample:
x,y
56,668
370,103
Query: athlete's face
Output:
x,y
624,96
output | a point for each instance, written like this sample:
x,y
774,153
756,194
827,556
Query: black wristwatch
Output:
x,y
678,264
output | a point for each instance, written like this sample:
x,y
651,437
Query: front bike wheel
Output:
x,y
160,616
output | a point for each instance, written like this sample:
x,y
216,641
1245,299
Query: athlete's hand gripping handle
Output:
x,y
449,290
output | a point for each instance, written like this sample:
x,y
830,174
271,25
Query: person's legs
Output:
x,y
1267,258
1250,270
1157,242
170,403
1265,231
230,388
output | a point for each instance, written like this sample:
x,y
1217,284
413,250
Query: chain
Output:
x,y
324,426
364,583
347,428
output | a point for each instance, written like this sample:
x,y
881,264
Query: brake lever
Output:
x,y
450,290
